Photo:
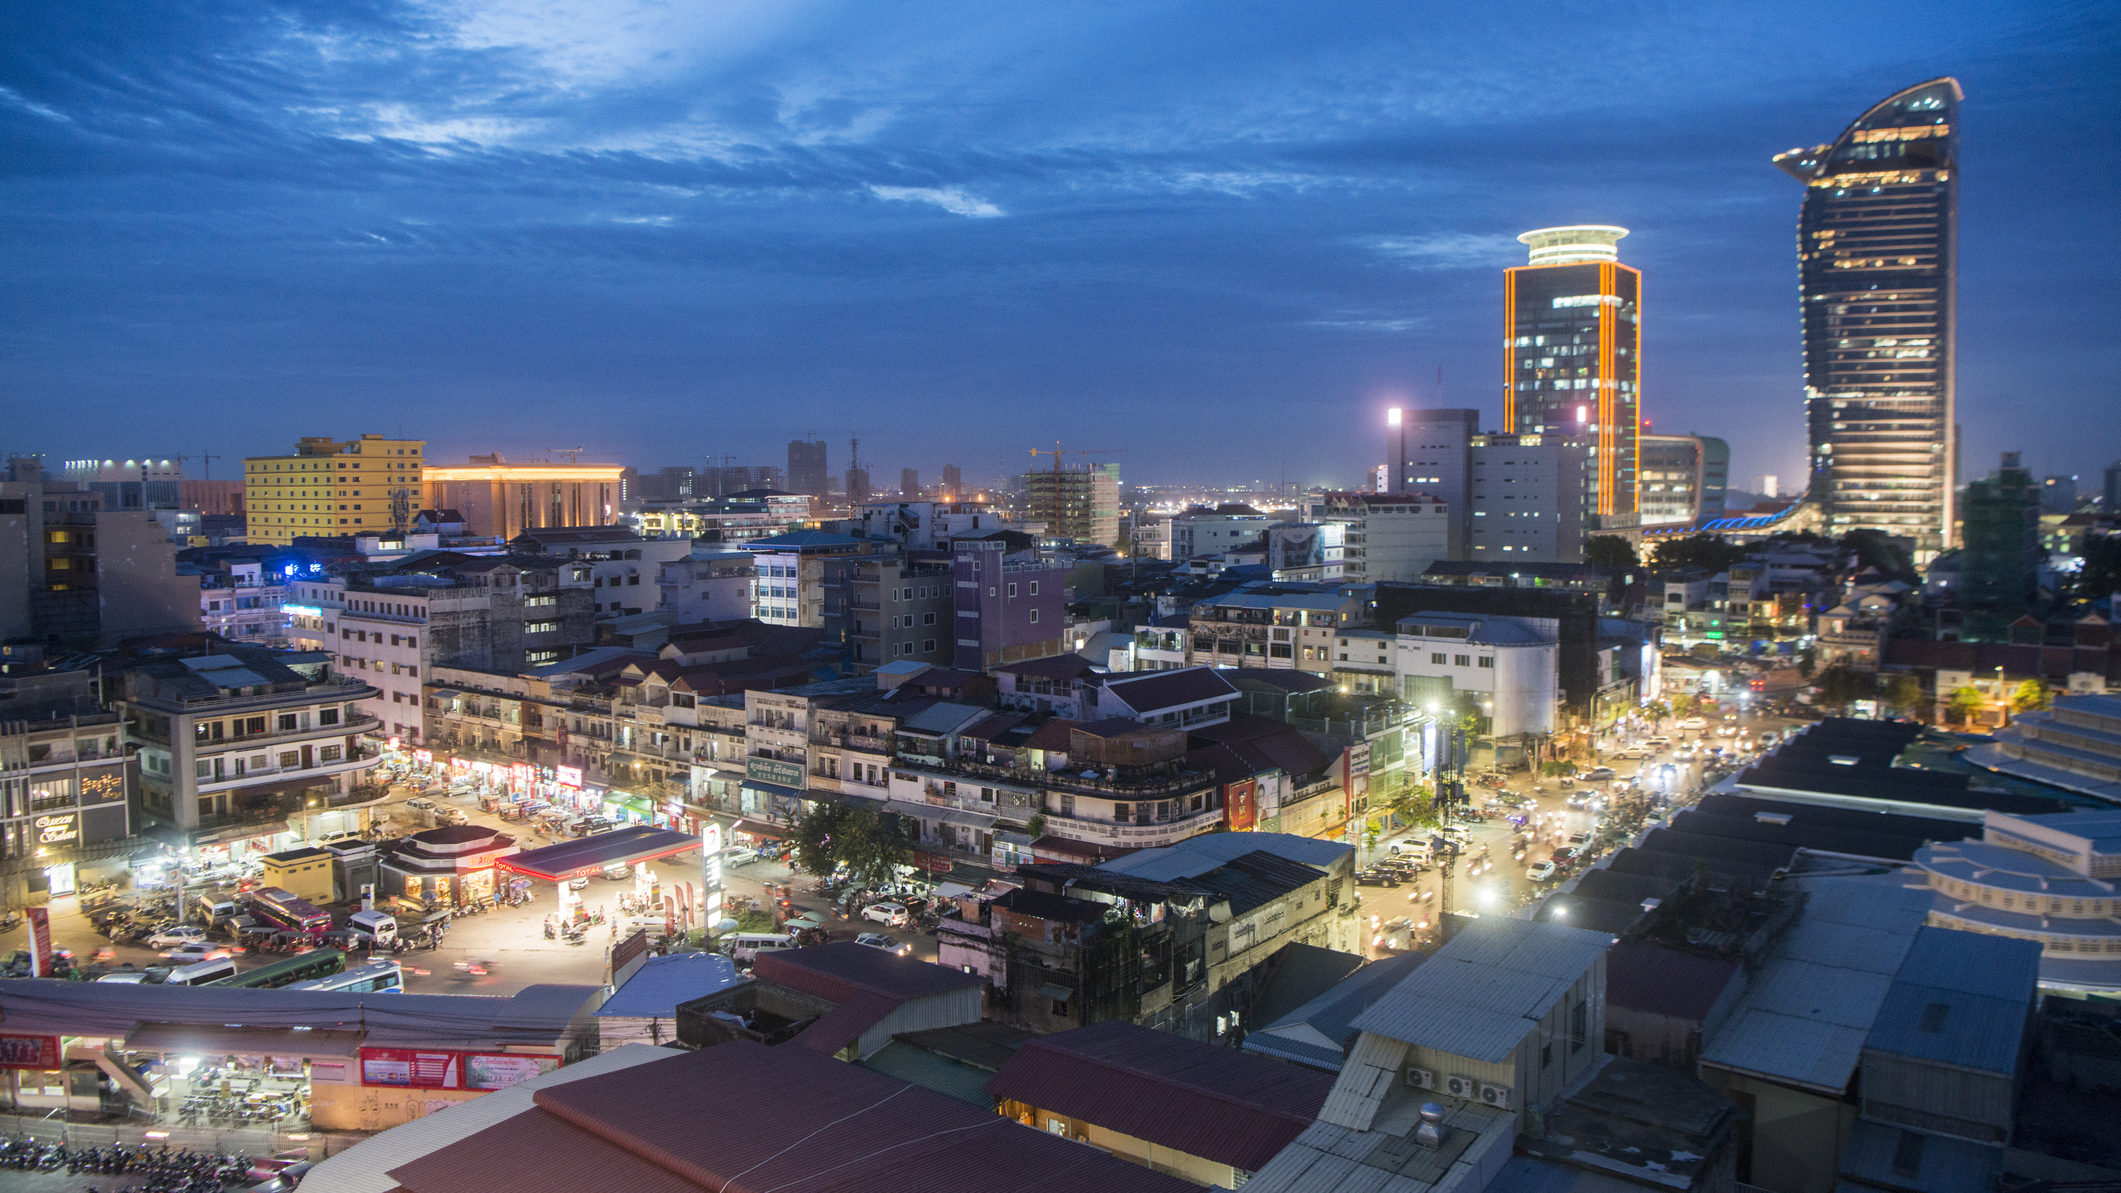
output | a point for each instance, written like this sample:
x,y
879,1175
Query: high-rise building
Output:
x,y
1076,503
909,483
130,484
1572,352
1432,454
1877,258
953,483
2110,488
2058,494
1527,498
1999,560
79,575
1671,479
806,467
1715,475
326,488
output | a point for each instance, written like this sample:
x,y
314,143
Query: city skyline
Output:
x,y
711,235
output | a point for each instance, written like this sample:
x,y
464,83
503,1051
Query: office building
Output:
x,y
62,783
1385,536
1877,265
78,575
731,479
909,484
501,500
2110,487
1203,531
1076,503
1572,346
1528,498
2058,494
327,488
1672,479
953,483
806,467
1715,474
1431,452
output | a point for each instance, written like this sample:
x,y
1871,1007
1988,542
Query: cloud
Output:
x,y
949,198
1449,250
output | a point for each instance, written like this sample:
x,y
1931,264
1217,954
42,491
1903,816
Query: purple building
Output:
x,y
1007,607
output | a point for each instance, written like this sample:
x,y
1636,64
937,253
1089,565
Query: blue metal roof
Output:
x,y
1960,998
656,989
1316,1032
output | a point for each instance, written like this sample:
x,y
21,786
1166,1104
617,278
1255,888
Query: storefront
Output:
x,y
445,867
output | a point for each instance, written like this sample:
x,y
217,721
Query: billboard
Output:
x,y
423,1068
774,771
30,1052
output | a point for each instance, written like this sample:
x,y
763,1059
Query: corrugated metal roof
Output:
x,y
1317,1032
1643,975
362,1167
1481,993
845,1023
663,982
1198,855
1886,1157
1806,1014
1371,1068
1200,1099
836,971
1961,999
743,1118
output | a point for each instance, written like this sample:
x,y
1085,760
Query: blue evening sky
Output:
x,y
1222,235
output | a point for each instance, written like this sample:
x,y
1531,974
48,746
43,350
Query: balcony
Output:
x,y
1126,782
360,758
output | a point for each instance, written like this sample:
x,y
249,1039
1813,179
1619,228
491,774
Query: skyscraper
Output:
x,y
1876,261
806,467
1572,354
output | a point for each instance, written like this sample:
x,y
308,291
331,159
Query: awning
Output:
x,y
639,805
1056,992
577,859
773,789
953,816
756,828
179,1039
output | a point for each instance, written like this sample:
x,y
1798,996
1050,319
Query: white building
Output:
x,y
243,603
707,585
1203,531
2049,879
1528,500
1509,666
1389,536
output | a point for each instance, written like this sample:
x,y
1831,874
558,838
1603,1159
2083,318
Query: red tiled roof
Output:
x,y
1053,735
744,1118
1223,1105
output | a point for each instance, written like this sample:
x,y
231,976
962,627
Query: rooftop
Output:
x,y
662,983
1198,855
839,970
1147,692
1962,999
1480,994
1318,1032
1200,1099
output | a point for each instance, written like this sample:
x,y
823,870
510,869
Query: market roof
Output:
x,y
744,1118
1643,975
1811,1004
662,983
1961,998
839,970
574,859
1480,994
1200,1099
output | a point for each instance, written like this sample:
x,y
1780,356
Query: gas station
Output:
x,y
678,901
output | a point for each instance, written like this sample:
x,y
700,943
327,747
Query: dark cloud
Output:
x,y
1223,235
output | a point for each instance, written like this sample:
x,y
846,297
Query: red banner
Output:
x,y
418,1068
30,1052
40,942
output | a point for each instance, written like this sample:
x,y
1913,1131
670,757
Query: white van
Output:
x,y
379,926
202,972
129,977
745,947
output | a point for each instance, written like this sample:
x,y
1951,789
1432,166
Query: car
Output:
x,y
1635,753
1659,742
1541,871
1693,724
196,951
452,816
420,805
1597,774
890,944
618,870
1376,876
889,914
176,935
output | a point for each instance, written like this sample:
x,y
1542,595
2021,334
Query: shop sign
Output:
x,y
522,774
29,1052
569,776
424,757
109,785
394,741
419,1068
774,771
60,828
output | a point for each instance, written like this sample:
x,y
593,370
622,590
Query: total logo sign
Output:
x,y
711,862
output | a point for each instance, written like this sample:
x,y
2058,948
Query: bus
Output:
x,y
289,912
302,967
374,977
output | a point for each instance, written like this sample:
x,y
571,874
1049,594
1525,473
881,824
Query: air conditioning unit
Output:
x,y
1497,1096
1459,1087
1421,1078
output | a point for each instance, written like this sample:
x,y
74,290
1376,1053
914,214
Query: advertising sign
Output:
x,y
59,828
774,771
568,776
418,1068
711,863
1241,805
29,1052
40,942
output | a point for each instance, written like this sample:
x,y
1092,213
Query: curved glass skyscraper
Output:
x,y
1572,354
1876,264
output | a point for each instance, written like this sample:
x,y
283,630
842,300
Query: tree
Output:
x,y
1807,661
870,847
2032,695
1904,693
1967,703
1609,551
1877,549
1841,685
816,839
1704,551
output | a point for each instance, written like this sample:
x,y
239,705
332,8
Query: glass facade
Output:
x,y
1572,352
1876,266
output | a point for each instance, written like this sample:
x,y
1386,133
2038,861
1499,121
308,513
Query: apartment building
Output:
x,y
789,575
77,574
236,743
1387,536
326,488
894,611
1007,607
63,783
1271,628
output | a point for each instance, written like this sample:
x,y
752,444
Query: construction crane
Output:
x,y
206,463
1057,451
573,454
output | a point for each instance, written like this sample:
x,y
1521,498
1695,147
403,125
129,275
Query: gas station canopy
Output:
x,y
578,859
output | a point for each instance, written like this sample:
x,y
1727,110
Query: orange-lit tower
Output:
x,y
1572,354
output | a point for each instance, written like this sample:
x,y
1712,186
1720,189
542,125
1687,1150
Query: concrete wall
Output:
x,y
1789,1140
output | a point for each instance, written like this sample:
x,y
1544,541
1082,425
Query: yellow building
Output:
x,y
304,872
331,488
502,500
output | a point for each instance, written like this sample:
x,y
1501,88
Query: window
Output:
x,y
1579,1025
1034,617
1012,590
1034,588
327,716
1123,813
329,753
1435,659
1488,661
927,646
290,758
927,619
287,724
1460,660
